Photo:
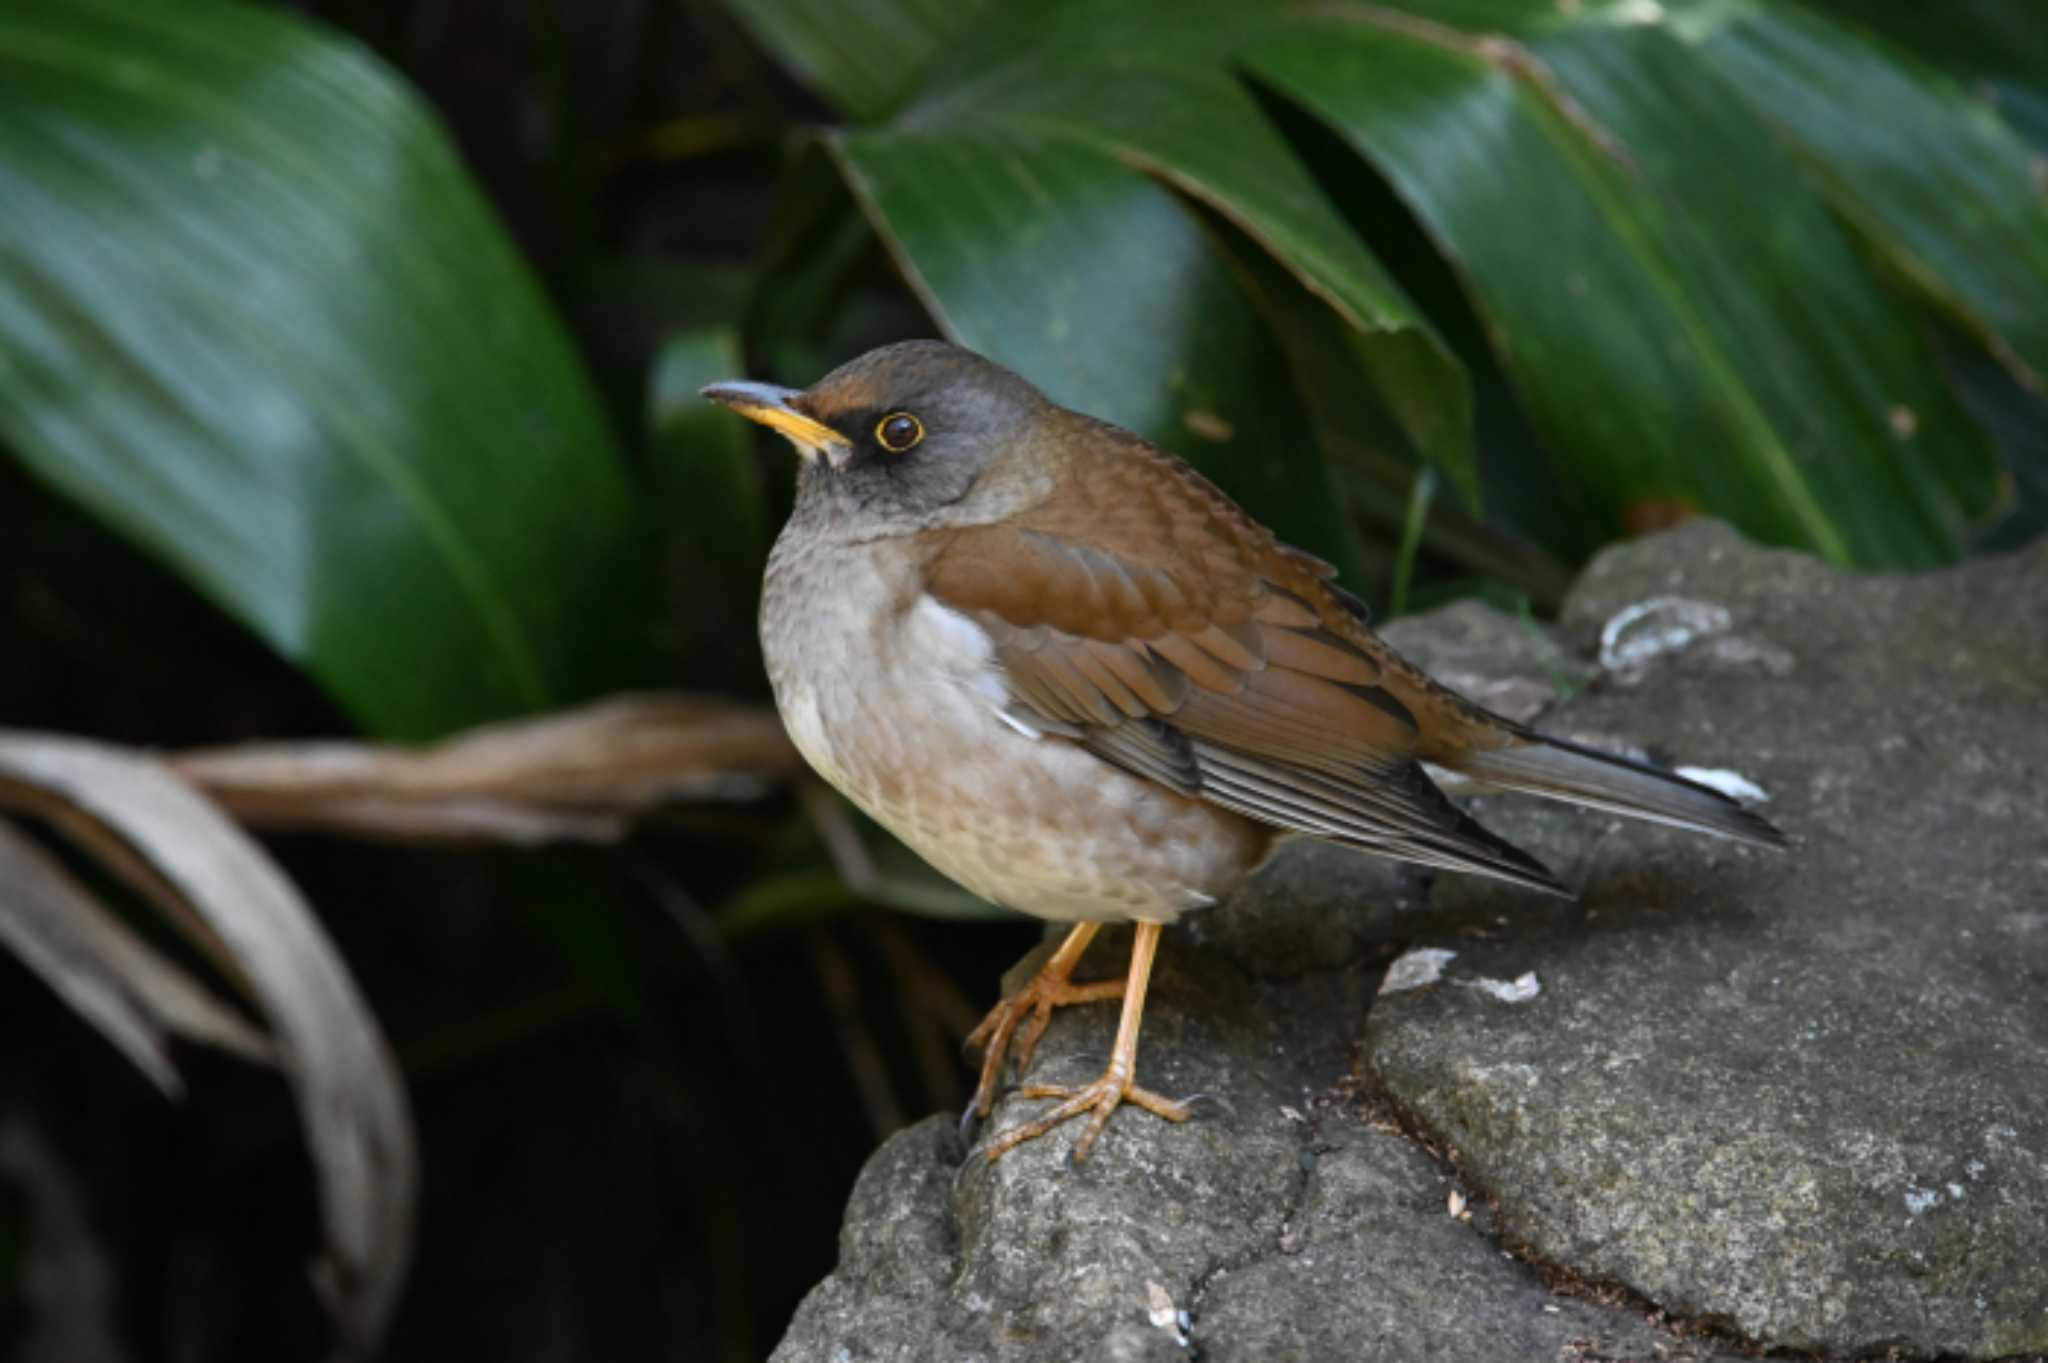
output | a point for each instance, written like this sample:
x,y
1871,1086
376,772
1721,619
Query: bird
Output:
x,y
1076,678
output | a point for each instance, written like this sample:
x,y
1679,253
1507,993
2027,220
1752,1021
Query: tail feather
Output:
x,y
1560,770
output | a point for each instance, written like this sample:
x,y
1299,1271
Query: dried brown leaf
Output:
x,y
167,840
581,775
133,995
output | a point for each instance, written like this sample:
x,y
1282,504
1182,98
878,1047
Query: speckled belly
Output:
x,y
893,700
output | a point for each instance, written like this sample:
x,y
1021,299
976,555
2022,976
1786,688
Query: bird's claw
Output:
x,y
1010,1034
1099,1100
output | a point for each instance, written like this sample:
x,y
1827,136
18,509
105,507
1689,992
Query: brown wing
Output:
x,y
1143,616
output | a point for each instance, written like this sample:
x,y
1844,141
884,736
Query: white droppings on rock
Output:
x,y
1520,989
1637,635
1733,784
1163,1314
1920,1200
1414,969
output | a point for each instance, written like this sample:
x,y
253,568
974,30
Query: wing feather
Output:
x,y
1140,613
1235,687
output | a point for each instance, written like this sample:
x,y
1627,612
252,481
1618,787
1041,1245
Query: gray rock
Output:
x,y
1513,666
1800,1096
1286,1223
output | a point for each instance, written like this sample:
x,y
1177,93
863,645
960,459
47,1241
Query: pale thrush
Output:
x,y
1076,678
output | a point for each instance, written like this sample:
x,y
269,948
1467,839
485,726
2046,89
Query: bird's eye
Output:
x,y
898,431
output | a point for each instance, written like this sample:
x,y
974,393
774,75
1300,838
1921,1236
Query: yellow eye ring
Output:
x,y
898,432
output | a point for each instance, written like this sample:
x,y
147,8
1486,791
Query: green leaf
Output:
x,y
1104,287
1354,433
1155,87
254,315
862,55
1672,344
1926,169
1645,213
1077,99
1997,49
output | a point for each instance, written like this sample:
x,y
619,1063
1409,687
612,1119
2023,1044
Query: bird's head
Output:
x,y
907,436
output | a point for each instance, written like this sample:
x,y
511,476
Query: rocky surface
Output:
x,y
1727,1099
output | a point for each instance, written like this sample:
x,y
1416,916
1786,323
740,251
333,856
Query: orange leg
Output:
x,y
1116,1086
1050,988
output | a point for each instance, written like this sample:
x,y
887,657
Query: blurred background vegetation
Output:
x,y
348,359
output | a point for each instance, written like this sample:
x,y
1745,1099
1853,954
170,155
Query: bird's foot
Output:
x,y
1098,1100
1014,1026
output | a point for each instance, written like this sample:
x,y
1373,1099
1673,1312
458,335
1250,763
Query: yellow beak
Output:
x,y
770,405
